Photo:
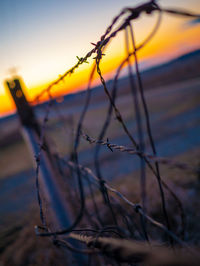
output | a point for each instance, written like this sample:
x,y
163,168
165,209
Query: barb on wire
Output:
x,y
163,160
41,145
113,197
125,250
132,151
135,206
148,8
64,243
135,12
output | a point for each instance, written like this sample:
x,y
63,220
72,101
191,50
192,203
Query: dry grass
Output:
x,y
20,246
14,159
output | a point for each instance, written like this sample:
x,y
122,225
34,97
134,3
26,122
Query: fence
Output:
x,y
113,223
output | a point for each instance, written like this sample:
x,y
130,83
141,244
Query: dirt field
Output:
x,y
175,116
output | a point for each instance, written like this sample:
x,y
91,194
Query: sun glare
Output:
x,y
172,39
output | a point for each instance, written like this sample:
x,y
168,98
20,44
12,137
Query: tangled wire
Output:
x,y
123,223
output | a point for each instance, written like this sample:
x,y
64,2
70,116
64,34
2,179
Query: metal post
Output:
x,y
48,175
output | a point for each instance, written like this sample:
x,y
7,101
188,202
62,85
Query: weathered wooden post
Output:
x,y
51,188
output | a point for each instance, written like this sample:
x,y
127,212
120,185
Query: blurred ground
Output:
x,y
175,116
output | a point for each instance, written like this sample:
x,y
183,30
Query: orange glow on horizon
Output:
x,y
164,45
7,105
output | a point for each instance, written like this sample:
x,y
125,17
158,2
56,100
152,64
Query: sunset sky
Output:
x,y
40,39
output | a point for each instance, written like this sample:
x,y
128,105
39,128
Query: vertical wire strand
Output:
x,y
139,132
149,132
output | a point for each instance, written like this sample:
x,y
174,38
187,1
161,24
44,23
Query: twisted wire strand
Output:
x,y
140,130
114,95
135,206
126,250
132,151
138,209
75,157
148,8
149,157
149,132
38,160
66,244
121,121
103,41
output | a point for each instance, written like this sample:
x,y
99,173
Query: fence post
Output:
x,y
51,188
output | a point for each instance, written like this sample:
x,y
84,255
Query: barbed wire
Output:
x,y
136,206
126,250
151,161
148,8
132,151
41,145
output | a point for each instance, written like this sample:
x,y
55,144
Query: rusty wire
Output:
x,y
163,160
151,160
148,8
131,251
136,206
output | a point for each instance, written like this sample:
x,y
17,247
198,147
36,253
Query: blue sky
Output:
x,y
42,38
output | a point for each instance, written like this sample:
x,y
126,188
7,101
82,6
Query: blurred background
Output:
x,y
41,40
